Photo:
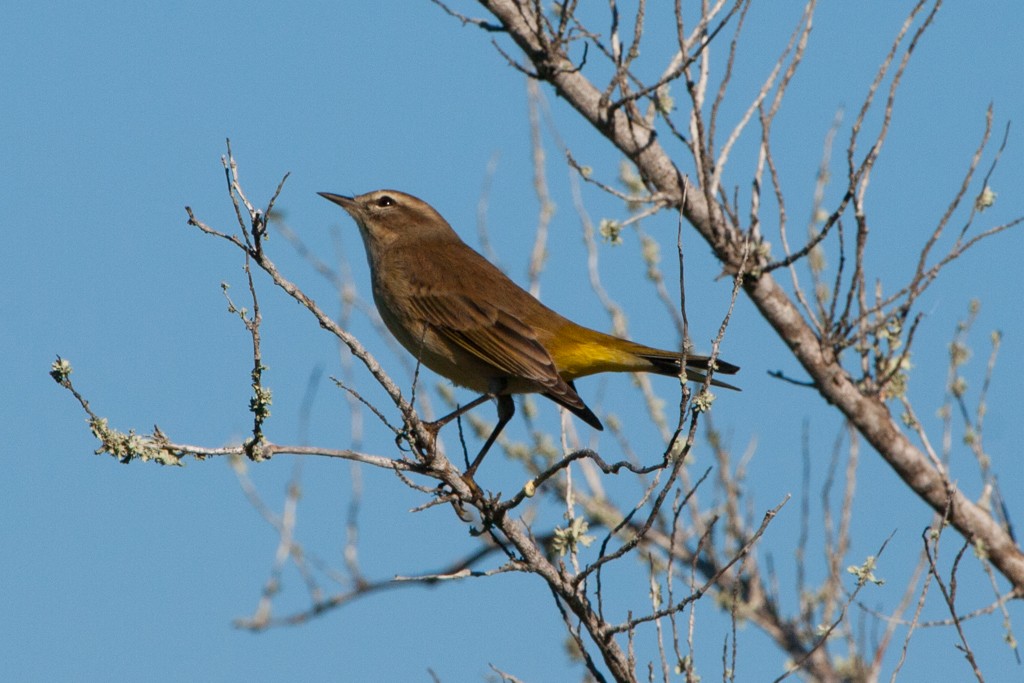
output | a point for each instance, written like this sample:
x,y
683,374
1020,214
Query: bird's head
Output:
x,y
385,217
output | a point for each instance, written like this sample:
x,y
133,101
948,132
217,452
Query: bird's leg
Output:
x,y
432,428
506,409
435,426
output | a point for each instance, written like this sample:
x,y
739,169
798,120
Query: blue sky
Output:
x,y
114,118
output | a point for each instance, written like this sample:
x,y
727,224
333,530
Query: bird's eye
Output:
x,y
385,201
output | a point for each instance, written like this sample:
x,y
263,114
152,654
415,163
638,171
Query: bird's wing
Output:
x,y
489,333
502,341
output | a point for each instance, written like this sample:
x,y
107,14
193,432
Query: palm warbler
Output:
x,y
466,320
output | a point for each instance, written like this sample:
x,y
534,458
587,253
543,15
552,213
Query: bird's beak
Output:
x,y
347,203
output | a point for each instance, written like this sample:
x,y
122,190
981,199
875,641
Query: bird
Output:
x,y
461,316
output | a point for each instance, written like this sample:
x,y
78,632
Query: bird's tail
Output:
x,y
579,351
668,363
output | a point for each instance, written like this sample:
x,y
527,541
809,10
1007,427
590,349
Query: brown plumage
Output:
x,y
467,321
